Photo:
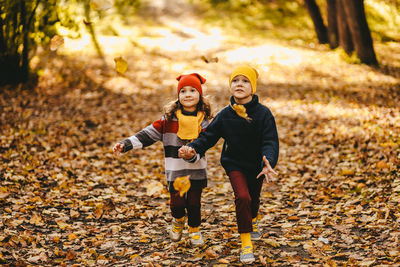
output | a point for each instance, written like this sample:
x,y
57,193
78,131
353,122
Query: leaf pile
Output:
x,y
66,200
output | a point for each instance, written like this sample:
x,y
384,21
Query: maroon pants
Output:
x,y
247,191
190,203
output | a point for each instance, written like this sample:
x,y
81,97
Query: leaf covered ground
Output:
x,y
66,200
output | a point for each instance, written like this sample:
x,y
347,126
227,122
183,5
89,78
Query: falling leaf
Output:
x,y
120,65
101,5
211,60
182,184
87,23
56,42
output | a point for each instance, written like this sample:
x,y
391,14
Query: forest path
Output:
x,y
65,199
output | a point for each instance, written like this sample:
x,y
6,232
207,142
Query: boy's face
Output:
x,y
241,89
189,97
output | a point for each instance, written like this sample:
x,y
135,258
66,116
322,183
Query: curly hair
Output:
x,y
203,105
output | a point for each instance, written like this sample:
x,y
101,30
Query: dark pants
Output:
x,y
190,203
247,191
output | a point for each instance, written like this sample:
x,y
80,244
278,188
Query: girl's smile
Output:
x,y
189,97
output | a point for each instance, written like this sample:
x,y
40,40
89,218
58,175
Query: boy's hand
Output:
x,y
267,171
186,152
117,149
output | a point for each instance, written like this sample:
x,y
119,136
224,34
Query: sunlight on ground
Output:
x,y
157,53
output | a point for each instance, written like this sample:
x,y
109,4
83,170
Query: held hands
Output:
x,y
186,152
267,171
117,149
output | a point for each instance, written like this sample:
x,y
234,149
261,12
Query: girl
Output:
x,y
183,120
250,151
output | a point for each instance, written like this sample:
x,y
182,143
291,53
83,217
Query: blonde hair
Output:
x,y
203,105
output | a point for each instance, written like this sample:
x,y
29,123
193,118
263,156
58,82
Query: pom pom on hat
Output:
x,y
248,71
194,79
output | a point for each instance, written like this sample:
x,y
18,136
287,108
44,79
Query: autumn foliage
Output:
x,y
66,200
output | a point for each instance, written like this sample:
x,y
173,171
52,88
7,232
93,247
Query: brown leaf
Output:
x,y
211,254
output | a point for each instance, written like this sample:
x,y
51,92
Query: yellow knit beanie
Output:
x,y
248,71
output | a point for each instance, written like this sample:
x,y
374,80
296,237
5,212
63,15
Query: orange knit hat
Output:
x,y
194,79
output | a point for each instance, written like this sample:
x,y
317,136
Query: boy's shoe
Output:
x,y
256,234
246,255
196,239
175,231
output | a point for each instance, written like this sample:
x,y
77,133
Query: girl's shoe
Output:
x,y
175,231
196,239
256,234
246,255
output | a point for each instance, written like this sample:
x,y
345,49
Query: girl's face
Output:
x,y
189,97
241,89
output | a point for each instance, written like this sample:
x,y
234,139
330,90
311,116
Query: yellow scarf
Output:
x,y
241,111
189,126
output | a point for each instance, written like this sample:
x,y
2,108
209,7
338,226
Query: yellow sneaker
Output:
x,y
256,234
196,239
175,230
246,255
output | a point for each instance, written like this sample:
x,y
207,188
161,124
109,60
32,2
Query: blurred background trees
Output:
x,y
26,25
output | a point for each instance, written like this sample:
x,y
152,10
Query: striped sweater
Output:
x,y
166,131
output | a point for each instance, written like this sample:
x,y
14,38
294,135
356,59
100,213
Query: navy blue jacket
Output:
x,y
246,142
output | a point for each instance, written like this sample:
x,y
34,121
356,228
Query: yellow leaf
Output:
x,y
62,225
74,213
293,218
120,65
211,60
272,243
72,236
56,42
182,184
100,5
98,212
36,220
382,165
56,239
154,188
348,172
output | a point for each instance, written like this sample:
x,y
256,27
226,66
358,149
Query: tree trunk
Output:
x,y
316,17
332,23
91,29
24,71
345,40
360,33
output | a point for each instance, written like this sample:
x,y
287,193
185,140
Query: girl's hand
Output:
x,y
267,171
186,152
117,149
